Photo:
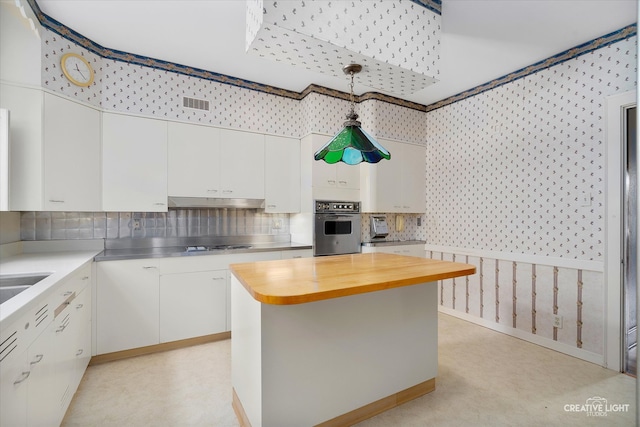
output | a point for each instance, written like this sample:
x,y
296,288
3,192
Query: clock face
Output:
x,y
77,69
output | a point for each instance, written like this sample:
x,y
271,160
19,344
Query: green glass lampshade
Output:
x,y
352,145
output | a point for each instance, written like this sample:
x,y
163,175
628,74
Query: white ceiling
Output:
x,y
481,39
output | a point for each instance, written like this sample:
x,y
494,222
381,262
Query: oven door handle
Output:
x,y
337,217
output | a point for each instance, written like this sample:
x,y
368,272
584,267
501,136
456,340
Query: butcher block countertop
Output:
x,y
303,280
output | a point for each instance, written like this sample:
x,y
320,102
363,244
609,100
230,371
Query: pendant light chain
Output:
x,y
351,97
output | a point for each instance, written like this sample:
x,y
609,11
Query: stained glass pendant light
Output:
x,y
352,145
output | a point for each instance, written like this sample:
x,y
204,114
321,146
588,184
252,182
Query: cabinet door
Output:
x,y
282,175
14,377
322,174
71,156
44,386
337,175
347,176
387,185
134,163
81,308
241,164
127,312
194,160
192,304
414,178
25,136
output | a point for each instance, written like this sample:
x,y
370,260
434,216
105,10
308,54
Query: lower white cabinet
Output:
x,y
127,308
14,377
142,302
38,384
193,304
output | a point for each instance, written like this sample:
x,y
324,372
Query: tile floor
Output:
x,y
485,379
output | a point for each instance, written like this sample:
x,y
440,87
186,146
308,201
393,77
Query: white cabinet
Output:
x,y
55,152
194,155
134,162
142,302
193,304
337,175
297,253
42,365
416,250
241,164
396,185
127,312
14,377
282,175
71,156
43,403
218,163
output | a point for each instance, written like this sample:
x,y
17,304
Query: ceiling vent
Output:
x,y
195,103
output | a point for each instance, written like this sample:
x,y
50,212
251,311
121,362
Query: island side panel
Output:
x,y
246,367
327,358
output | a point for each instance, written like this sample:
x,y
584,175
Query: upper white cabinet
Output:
x,y
194,155
134,161
219,163
55,152
71,156
241,164
337,175
396,185
282,175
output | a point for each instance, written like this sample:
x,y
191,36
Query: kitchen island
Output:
x,y
333,340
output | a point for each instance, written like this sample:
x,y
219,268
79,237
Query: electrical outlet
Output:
x,y
135,224
277,224
557,321
419,222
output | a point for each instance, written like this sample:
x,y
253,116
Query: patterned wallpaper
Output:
x,y
508,167
402,64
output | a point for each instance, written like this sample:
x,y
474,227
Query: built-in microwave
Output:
x,y
336,228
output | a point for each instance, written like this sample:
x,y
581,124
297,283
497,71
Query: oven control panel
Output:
x,y
327,206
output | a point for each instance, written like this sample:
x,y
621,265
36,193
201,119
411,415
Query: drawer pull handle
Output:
x,y
158,204
79,306
149,267
79,352
61,328
56,201
85,278
23,377
38,359
66,294
218,278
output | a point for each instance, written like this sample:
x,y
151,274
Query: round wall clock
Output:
x,y
77,69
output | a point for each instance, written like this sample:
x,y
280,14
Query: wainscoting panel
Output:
x,y
524,298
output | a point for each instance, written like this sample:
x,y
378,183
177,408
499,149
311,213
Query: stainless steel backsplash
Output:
x,y
175,223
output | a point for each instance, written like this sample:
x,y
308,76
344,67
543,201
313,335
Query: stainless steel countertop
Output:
x,y
394,242
173,251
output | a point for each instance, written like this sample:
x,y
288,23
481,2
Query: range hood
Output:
x,y
210,203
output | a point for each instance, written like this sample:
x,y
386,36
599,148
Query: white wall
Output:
x,y
9,227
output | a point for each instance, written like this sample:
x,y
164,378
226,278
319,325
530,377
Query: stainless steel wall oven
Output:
x,y
336,228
